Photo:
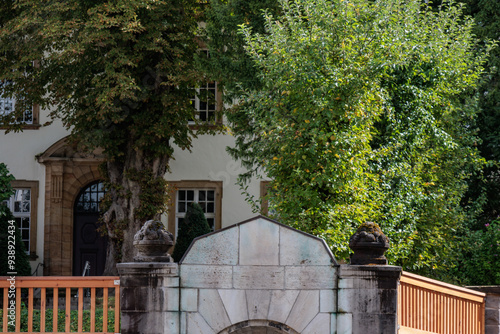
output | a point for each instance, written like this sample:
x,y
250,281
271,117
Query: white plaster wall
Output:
x,y
208,160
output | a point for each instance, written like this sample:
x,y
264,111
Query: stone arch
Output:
x,y
67,171
259,326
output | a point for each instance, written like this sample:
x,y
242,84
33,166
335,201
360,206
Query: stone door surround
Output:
x,y
67,171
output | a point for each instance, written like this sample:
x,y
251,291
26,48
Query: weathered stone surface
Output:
x,y
367,301
172,321
374,323
259,277
235,303
327,301
212,309
189,300
303,249
369,244
319,325
492,329
344,324
210,276
258,303
492,316
306,307
310,277
260,242
196,324
218,248
282,302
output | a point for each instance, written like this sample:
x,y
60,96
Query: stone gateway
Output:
x,y
261,277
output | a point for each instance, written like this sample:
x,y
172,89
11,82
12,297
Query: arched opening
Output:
x,y
259,327
89,245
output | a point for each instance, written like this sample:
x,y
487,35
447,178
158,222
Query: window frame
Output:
x,y
194,185
196,102
33,215
35,110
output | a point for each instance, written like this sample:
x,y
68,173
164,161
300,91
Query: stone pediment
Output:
x,y
259,241
65,150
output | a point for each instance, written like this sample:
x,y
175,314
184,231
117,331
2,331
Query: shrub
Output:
x,y
193,225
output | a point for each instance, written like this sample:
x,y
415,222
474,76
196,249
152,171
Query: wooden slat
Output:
x,y
80,309
68,310
43,305
92,310
55,309
105,310
117,309
18,308
30,309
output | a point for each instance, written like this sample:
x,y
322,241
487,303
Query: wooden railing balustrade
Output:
x,y
429,306
69,288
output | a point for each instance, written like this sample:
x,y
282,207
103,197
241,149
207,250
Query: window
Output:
x,y
206,100
28,117
23,205
208,194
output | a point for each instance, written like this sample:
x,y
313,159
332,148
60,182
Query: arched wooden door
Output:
x,y
88,243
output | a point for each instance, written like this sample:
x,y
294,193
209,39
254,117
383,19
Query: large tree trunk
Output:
x,y
121,218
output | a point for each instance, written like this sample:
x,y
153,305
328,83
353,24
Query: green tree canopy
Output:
x,y
119,74
364,113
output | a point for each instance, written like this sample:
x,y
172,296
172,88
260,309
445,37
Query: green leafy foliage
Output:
x,y
365,113
193,225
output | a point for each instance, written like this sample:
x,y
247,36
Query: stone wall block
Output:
x,y
302,249
493,301
259,277
209,276
196,324
320,324
189,300
344,323
258,303
260,241
171,322
310,277
282,302
492,316
305,309
218,249
374,323
328,301
212,309
235,303
495,329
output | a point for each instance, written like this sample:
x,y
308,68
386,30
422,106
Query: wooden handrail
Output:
x,y
431,306
58,284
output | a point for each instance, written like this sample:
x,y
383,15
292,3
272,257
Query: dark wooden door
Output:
x,y
88,243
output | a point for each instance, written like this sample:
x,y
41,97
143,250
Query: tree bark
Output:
x,y
121,218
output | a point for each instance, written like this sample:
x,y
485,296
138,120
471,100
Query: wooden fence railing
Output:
x,y
429,306
59,304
